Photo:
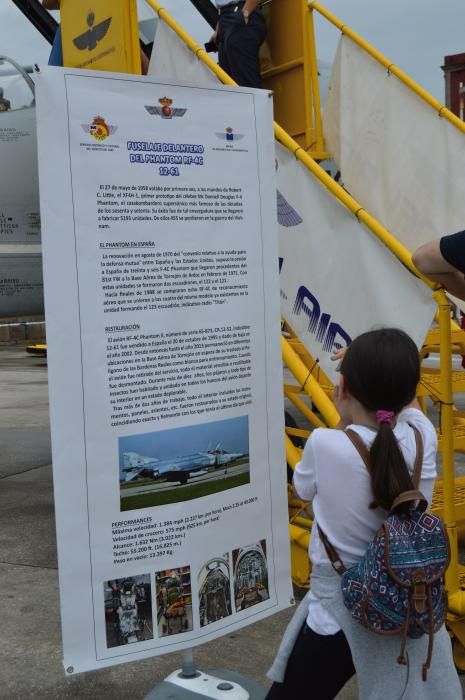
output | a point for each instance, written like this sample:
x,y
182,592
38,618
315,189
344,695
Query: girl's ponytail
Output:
x,y
390,475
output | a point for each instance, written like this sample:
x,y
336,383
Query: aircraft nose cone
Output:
x,y
90,19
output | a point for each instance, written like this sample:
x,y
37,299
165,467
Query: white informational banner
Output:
x,y
397,157
337,279
162,301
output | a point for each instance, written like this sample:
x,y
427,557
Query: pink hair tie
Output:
x,y
384,416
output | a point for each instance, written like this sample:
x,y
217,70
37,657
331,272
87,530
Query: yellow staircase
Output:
x,y
312,391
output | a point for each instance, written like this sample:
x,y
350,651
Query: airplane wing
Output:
x,y
81,42
153,109
132,473
102,28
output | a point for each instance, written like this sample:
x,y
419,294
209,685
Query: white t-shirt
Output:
x,y
333,474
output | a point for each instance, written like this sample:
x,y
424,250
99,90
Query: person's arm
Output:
x,y
304,480
214,36
249,7
51,4
144,62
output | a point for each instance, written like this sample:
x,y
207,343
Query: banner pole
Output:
x,y
189,669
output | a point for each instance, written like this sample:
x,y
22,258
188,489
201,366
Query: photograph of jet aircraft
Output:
x,y
178,469
183,463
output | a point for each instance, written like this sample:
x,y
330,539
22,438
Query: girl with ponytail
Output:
x,y
323,647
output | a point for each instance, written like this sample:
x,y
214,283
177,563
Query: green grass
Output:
x,y
177,495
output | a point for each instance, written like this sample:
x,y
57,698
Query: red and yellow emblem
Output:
x,y
166,103
99,129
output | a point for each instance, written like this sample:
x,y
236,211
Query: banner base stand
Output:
x,y
217,685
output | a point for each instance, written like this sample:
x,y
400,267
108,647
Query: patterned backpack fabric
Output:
x,y
398,586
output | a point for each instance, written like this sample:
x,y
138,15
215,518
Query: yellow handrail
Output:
x,y
391,67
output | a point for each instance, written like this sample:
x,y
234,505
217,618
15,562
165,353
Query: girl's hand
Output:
x,y
338,356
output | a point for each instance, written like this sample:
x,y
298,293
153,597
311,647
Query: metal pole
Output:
x,y
189,669
456,597
312,57
38,17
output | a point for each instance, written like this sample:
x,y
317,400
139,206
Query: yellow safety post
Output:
x,y
290,71
101,36
299,530
390,67
292,452
312,64
300,563
456,597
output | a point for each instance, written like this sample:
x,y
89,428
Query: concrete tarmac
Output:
x,y
30,640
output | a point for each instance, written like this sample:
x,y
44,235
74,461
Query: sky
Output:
x,y
414,34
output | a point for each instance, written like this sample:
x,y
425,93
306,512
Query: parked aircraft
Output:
x,y
180,468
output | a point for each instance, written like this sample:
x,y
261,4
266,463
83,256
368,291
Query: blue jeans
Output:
x,y
56,54
239,44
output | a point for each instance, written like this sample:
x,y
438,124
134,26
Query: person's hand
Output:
x,y
338,354
214,37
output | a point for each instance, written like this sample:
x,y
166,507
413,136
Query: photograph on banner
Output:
x,y
215,590
167,415
128,610
250,575
174,601
183,463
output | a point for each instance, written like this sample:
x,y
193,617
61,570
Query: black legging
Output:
x,y
318,667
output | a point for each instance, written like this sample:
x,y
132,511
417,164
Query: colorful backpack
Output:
x,y
398,586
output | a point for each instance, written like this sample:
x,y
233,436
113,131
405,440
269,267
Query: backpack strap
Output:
x,y
416,476
333,556
408,496
360,446
415,494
